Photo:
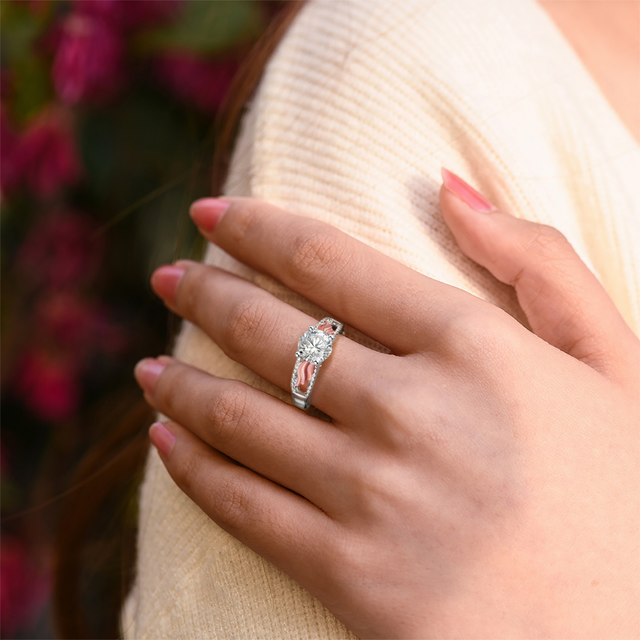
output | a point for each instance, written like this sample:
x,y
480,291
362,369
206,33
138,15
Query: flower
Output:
x,y
45,158
89,61
48,384
23,589
129,14
10,172
77,324
59,252
196,81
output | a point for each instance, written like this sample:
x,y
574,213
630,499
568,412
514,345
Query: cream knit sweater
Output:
x,y
360,106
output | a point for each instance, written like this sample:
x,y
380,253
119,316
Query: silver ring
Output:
x,y
314,347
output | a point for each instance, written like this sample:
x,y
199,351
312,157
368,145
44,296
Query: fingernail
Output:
x,y
161,438
164,281
207,212
147,372
465,192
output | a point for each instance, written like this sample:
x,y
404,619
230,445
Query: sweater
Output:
x,y
359,107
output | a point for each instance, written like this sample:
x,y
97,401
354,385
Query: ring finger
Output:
x,y
261,332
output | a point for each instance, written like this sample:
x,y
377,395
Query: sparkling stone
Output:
x,y
314,346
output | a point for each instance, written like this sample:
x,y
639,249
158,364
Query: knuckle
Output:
x,y
315,250
232,502
228,410
189,472
348,557
471,331
488,341
547,241
249,321
403,425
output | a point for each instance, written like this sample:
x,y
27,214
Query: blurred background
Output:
x,y
106,137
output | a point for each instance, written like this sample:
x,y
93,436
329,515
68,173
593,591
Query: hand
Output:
x,y
479,481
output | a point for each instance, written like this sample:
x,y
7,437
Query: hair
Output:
x,y
102,500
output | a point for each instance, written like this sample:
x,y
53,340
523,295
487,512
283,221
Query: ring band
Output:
x,y
314,347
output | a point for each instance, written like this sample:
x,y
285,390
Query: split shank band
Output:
x,y
314,347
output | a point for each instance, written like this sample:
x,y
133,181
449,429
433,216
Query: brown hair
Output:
x,y
108,478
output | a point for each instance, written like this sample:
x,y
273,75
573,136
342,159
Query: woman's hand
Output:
x,y
480,481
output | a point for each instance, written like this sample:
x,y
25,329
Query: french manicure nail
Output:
x,y
207,212
161,438
465,192
147,372
164,281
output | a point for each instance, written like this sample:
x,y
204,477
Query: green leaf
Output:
x,y
19,27
31,88
207,27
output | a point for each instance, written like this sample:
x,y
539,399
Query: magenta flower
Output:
x,y
89,61
195,81
10,171
60,252
79,325
129,14
48,384
23,589
45,158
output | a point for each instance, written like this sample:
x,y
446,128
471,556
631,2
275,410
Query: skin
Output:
x,y
478,482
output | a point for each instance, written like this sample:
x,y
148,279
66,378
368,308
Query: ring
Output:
x,y
314,347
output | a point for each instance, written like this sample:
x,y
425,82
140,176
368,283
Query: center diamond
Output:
x,y
314,346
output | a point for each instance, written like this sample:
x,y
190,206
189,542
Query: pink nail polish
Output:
x,y
465,192
147,372
207,212
161,438
164,281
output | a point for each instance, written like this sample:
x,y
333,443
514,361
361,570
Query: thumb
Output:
x,y
564,302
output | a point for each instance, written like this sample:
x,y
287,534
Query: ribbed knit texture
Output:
x,y
360,106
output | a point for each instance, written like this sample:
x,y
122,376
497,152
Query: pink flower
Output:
x,y
23,589
48,385
78,325
60,252
89,62
45,159
129,14
10,171
195,81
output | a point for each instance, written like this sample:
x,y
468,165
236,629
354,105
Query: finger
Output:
x,y
261,332
277,524
355,283
274,439
564,302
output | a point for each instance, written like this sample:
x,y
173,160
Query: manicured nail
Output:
x,y
465,192
147,372
164,281
207,212
161,438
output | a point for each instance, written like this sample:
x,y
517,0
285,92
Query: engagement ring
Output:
x,y
314,347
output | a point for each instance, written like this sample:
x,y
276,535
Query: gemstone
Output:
x,y
314,346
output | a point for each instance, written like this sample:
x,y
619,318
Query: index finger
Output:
x,y
355,283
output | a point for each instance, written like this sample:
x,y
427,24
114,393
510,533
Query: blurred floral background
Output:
x,y
106,137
